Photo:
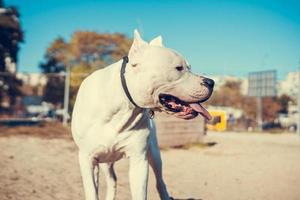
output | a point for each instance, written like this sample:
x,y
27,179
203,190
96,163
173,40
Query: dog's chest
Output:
x,y
104,155
124,145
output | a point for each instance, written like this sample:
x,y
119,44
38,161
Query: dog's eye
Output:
x,y
179,68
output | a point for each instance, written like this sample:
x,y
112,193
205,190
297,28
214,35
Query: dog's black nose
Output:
x,y
209,82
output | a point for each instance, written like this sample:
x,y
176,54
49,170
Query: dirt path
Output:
x,y
238,167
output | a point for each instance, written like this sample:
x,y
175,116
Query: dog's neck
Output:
x,y
124,114
124,82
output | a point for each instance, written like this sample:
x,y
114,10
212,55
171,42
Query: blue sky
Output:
x,y
217,37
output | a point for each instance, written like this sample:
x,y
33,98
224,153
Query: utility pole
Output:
x,y
259,113
261,84
66,95
298,123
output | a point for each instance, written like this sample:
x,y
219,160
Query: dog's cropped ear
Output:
x,y
136,48
157,41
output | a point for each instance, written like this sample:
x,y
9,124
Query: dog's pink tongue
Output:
x,y
200,109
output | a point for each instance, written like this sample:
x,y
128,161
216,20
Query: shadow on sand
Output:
x,y
211,144
186,199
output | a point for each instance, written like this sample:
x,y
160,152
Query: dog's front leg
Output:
x,y
156,163
89,173
138,177
111,180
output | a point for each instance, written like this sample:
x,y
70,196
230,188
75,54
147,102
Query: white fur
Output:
x,y
106,126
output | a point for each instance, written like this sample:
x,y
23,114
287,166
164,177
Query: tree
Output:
x,y
230,95
99,50
55,57
86,52
284,101
11,35
54,66
271,108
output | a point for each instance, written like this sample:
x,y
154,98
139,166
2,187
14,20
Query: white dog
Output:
x,y
111,114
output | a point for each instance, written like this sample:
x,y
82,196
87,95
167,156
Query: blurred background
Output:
x,y
49,47
250,48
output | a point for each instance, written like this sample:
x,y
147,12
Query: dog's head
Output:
x,y
161,79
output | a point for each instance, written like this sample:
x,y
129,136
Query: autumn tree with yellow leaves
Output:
x,y
84,53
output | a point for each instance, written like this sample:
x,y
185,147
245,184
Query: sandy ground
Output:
x,y
238,167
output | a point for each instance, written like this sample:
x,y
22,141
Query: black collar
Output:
x,y
123,81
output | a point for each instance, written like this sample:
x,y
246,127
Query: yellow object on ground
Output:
x,y
218,121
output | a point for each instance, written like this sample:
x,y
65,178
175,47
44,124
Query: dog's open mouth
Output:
x,y
182,108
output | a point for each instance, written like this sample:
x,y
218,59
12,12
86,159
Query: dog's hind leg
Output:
x,y
155,162
111,180
90,174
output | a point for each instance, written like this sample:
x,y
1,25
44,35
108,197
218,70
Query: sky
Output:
x,y
227,37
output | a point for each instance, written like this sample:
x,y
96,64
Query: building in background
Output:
x,y
33,83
